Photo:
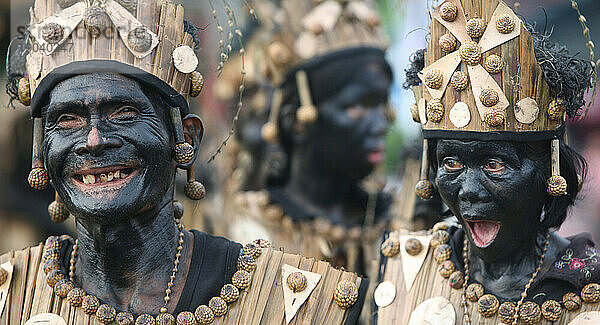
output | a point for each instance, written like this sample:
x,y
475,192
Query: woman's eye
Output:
x,y
452,165
494,166
70,121
125,112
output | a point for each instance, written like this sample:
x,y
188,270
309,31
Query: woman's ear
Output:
x,y
193,130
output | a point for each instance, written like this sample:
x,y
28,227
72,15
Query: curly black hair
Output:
x,y
417,63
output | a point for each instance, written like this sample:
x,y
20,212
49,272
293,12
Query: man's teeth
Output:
x,y
103,178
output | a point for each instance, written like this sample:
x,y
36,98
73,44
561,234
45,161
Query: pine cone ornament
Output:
x,y
476,27
197,83
439,237
448,11
591,293
58,212
435,110
551,310
262,243
75,297
457,280
130,5
106,314
413,246
442,253
140,40
557,186
448,43
52,33
195,190
474,292
218,306
124,318
459,80
494,117
506,312
390,247
505,24
165,319
446,268
63,287
556,109
241,279
489,97
50,265
145,319
204,315
229,293
50,254
24,91
53,277
424,189
493,64
90,304
346,294
252,249
571,301
38,178
434,79
184,153
487,305
246,263
470,53
66,3
186,318
530,312
296,282
96,21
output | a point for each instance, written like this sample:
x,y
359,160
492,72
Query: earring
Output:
x,y
58,210
194,189
307,113
183,151
424,188
38,176
556,185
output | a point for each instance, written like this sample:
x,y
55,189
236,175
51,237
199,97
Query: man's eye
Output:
x,y
125,112
494,166
70,121
452,165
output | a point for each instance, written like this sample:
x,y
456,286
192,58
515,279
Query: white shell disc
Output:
x,y
385,293
460,115
185,59
46,319
438,311
587,318
527,110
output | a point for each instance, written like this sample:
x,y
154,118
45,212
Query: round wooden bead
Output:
x,y
269,132
434,79
140,39
58,212
448,43
246,263
204,315
96,21
75,297
241,279
557,186
442,225
183,153
591,293
470,53
106,314
124,318
24,91
494,117
145,319
413,246
556,109
390,247
38,178
346,294
50,265
63,287
252,249
475,27
459,80
457,279
439,237
493,64
53,277
530,312
506,311
448,11
442,253
571,301
446,268
195,190
505,24
424,189
307,114
262,243
218,306
435,110
130,5
230,293
3,276
297,282
90,304
165,319
197,83
551,310
487,305
474,291
489,97
52,33
66,3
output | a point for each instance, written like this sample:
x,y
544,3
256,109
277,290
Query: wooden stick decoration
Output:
x,y
38,177
184,152
269,131
424,187
307,113
557,185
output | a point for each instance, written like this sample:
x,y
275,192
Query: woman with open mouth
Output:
x,y
492,98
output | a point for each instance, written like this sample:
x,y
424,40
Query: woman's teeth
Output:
x,y
104,178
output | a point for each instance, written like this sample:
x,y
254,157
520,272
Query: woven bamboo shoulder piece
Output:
x,y
262,303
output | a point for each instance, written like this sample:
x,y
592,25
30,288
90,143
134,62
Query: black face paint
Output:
x,y
107,147
491,188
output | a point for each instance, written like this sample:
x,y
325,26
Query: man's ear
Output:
x,y
193,130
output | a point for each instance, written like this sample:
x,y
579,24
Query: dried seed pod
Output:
x,y
218,306
446,268
106,314
66,3
165,319
493,64
252,249
506,312
442,253
505,24
551,310
50,265
494,117
229,293
63,287
297,282
435,110
183,153
24,91
457,279
58,212
90,304
459,80
52,33
130,5
557,186
75,297
448,11
448,43
204,315
470,53
487,305
439,237
140,39
476,27
434,79
269,132
96,21
346,294
591,293
390,247
38,178
442,225
530,312
489,97
571,301
194,190
413,246
197,83
556,109
124,318
246,263
474,292
53,277
424,189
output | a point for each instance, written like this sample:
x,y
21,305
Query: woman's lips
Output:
x,y
376,156
483,231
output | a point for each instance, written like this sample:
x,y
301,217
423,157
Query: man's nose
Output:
x,y
96,143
